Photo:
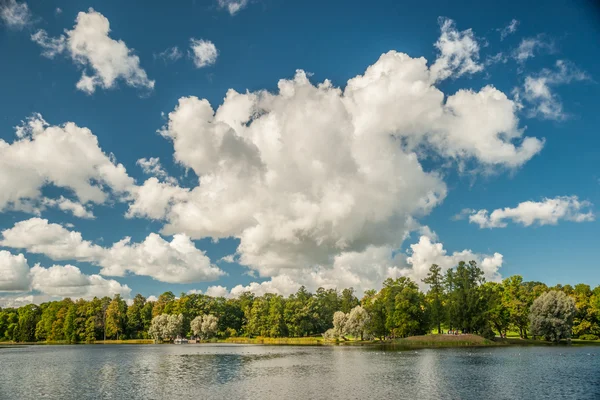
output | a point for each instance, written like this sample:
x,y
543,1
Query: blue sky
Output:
x,y
259,44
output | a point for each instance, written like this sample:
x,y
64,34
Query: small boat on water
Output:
x,y
180,341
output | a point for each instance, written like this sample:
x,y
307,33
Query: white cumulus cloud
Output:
x,y
14,272
458,52
77,209
56,281
177,261
152,166
15,15
90,46
368,269
66,156
204,52
310,171
69,281
545,212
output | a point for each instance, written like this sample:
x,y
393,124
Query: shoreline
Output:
x,y
432,341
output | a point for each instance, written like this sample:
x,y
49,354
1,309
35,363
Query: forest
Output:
x,y
458,300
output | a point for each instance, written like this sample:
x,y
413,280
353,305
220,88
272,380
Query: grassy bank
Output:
x,y
265,340
436,341
424,341
64,342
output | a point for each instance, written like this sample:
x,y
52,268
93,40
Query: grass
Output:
x,y
129,341
63,342
265,340
424,341
435,341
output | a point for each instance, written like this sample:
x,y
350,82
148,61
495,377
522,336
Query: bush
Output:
x,y
330,334
588,337
488,333
229,332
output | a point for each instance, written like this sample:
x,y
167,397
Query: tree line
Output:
x,y
458,300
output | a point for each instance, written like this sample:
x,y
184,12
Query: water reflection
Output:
x,y
270,372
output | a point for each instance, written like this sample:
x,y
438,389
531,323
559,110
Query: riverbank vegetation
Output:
x,y
459,301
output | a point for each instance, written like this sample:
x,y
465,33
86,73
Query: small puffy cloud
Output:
x,y
69,281
228,259
15,15
58,11
90,46
178,261
529,47
152,166
217,291
281,285
233,6
508,29
154,198
545,212
171,54
14,272
458,52
67,157
537,90
204,52
77,209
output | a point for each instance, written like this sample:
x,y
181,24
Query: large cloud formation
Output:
x,y
312,173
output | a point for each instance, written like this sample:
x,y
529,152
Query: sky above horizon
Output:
x,y
221,146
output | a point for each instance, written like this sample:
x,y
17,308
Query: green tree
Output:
x,y
585,321
499,313
348,300
518,301
29,316
164,304
115,319
374,304
435,295
69,326
467,301
552,316
135,319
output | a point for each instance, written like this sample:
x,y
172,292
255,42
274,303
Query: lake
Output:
x,y
223,371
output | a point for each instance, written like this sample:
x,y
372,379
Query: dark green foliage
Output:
x,y
436,296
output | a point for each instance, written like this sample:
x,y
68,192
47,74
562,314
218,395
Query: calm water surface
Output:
x,y
282,372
